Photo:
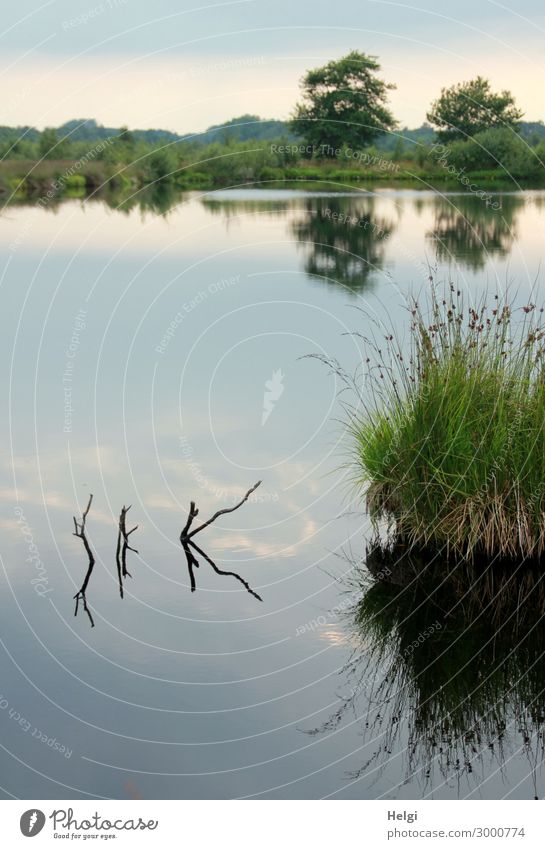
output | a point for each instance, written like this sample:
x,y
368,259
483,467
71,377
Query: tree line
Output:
x,y
343,110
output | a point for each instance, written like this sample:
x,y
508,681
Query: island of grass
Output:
x,y
451,454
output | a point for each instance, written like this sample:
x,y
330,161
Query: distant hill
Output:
x,y
406,138
532,131
244,128
85,129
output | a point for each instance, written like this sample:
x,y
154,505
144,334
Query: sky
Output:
x,y
183,65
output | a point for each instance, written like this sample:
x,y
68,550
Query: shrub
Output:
x,y
495,149
268,174
453,450
161,165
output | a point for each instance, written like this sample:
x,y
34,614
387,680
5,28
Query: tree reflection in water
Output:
x,y
468,231
344,239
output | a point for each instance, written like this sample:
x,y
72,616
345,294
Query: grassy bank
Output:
x,y
83,155
218,166
452,450
27,179
68,178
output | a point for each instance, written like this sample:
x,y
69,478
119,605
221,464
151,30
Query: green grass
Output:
x,y
452,447
31,178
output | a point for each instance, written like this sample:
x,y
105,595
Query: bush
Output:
x,y
454,454
161,165
235,163
495,149
268,174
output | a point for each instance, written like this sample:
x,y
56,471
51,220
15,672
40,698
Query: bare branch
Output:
x,y
193,513
122,547
118,561
79,527
79,531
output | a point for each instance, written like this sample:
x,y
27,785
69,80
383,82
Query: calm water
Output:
x,y
151,359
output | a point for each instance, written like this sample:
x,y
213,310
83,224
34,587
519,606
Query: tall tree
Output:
x,y
469,108
344,104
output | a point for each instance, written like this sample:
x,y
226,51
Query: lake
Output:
x,y
156,351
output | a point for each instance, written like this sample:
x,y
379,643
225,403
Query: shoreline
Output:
x,y
23,180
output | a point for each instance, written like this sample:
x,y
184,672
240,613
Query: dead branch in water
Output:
x,y
188,545
79,531
122,547
193,512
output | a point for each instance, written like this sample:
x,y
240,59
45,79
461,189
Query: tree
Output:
x,y
344,104
50,146
126,136
469,108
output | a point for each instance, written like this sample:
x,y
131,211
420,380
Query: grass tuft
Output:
x,y
452,448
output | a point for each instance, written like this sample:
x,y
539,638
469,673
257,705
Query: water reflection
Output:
x,y
466,230
344,240
192,563
158,198
345,237
228,208
201,679
447,676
